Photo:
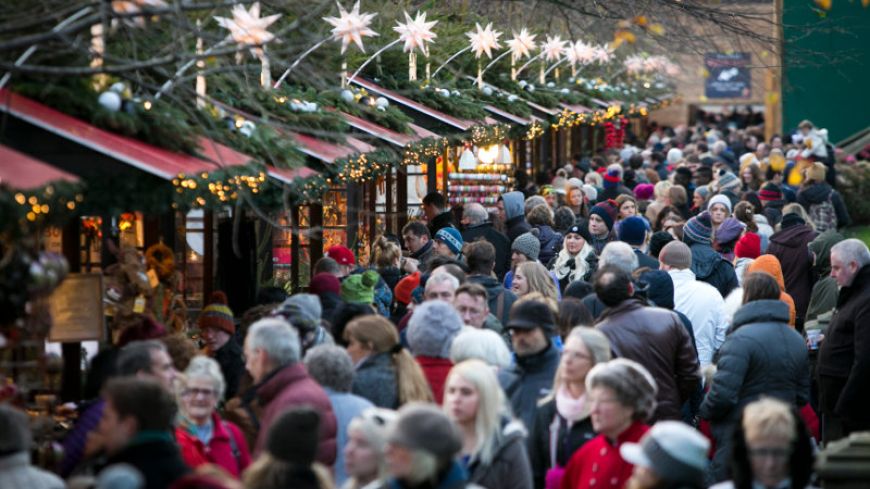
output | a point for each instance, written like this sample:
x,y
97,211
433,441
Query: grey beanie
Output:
x,y
425,427
527,244
16,431
431,329
302,311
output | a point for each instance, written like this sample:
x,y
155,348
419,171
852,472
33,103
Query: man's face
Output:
x,y
528,341
413,242
114,431
442,249
842,271
473,309
255,362
162,368
430,211
439,291
215,338
517,258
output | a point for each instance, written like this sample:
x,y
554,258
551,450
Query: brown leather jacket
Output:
x,y
655,338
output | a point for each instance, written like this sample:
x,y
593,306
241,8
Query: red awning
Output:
x,y
22,172
462,124
328,152
151,159
385,134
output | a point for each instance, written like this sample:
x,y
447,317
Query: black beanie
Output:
x,y
294,436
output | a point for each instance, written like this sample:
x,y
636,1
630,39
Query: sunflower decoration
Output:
x,y
161,259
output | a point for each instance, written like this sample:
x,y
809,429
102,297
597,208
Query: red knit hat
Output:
x,y
217,314
748,246
341,254
324,282
405,287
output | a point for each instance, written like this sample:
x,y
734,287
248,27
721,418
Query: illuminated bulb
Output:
x,y
147,105
20,198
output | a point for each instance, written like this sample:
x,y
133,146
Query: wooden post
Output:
x,y
401,198
389,213
208,261
71,376
294,247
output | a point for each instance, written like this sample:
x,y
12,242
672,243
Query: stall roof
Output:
x,y
386,134
22,172
580,109
461,124
540,108
510,117
328,152
150,159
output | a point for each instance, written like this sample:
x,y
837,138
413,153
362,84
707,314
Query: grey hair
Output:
x,y
481,344
135,357
852,250
330,366
277,339
439,278
16,430
432,327
203,366
632,384
718,147
532,202
475,213
619,255
374,423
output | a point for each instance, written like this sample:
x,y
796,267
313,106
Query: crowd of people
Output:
x,y
685,315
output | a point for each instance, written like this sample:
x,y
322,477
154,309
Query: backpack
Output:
x,y
823,215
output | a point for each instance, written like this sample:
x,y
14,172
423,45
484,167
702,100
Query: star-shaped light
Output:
x,y
484,40
351,26
580,53
634,64
135,7
602,54
416,33
553,48
522,44
247,27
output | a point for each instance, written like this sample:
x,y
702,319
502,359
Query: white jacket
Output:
x,y
705,308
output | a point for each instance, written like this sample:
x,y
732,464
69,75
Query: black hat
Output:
x,y
580,229
530,315
294,436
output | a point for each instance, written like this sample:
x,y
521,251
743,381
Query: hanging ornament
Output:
x,y
467,161
520,46
110,100
415,33
247,28
347,96
382,102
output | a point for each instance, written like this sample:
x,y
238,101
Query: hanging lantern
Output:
x,y
467,161
504,156
488,155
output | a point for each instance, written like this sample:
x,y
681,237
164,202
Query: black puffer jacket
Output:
x,y
763,356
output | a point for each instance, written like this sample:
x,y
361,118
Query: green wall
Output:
x,y
834,95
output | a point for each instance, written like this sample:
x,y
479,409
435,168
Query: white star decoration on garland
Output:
x,y
553,48
247,27
522,44
416,33
351,27
484,40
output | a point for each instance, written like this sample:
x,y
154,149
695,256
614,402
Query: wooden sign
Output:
x,y
77,309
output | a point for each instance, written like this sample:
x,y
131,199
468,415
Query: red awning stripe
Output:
x,y
150,159
462,124
22,172
378,131
507,115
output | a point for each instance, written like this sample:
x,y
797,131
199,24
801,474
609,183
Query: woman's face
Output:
x,y
769,456
461,400
698,200
718,213
199,398
597,225
609,416
520,286
627,209
551,200
360,458
574,243
357,350
575,197
747,175
576,361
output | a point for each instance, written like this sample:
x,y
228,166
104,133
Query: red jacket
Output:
x,y
219,451
291,387
598,463
435,370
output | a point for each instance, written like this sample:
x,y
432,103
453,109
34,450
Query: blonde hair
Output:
x,y
538,279
491,406
662,190
379,334
768,417
599,349
795,208
594,178
374,422
385,253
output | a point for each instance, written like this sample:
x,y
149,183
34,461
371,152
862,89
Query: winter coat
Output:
x,y
74,443
657,339
740,269
515,217
454,477
644,260
845,353
435,370
227,448
229,357
568,268
763,356
498,240
423,255
817,193
16,472
390,275
155,455
599,464
765,231
498,307
553,442
443,220
705,308
790,245
709,266
823,298
529,379
551,243
509,468
375,379
768,265
289,387
346,407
